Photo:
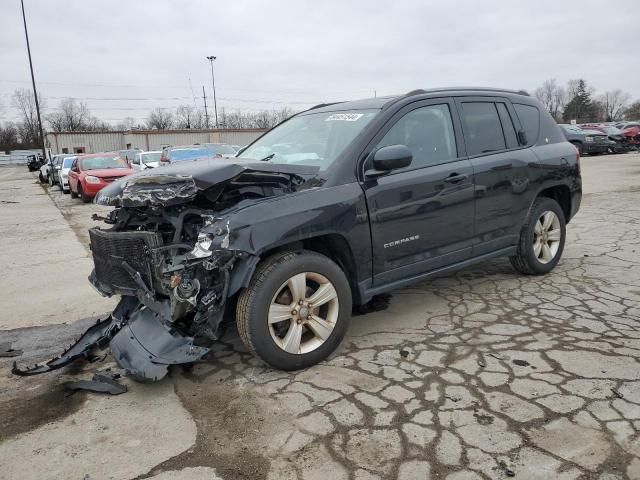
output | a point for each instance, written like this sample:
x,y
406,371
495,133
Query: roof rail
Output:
x,y
482,89
320,105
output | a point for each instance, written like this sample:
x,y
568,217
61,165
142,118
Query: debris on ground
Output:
x,y
101,383
7,351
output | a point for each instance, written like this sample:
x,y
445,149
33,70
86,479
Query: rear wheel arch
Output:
x,y
562,195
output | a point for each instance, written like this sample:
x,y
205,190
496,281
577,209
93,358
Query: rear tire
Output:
x,y
304,282
541,239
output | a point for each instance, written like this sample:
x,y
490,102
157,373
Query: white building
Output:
x,y
93,142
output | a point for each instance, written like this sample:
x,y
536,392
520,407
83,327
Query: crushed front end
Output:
x,y
166,251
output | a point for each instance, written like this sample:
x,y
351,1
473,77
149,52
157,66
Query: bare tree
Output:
x,y
127,123
8,136
552,96
160,119
614,103
632,112
28,130
189,117
71,116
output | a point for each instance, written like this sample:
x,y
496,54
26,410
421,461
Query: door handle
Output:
x,y
455,178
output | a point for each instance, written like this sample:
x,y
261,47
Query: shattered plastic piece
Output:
x,y
7,351
97,336
101,383
145,347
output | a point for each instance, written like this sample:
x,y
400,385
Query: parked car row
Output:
x,y
599,138
84,175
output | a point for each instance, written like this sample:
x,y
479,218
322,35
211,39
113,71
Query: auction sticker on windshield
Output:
x,y
344,117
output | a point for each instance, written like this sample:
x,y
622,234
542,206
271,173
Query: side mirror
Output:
x,y
522,137
390,158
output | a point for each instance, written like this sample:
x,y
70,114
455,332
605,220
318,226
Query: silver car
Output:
x,y
144,160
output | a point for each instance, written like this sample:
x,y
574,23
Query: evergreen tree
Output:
x,y
580,107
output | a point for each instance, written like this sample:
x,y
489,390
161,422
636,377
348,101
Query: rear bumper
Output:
x,y
576,200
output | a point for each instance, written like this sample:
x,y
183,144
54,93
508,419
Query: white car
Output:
x,y
144,160
45,170
62,172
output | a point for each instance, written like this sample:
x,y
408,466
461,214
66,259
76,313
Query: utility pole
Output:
x,y
206,112
213,84
33,81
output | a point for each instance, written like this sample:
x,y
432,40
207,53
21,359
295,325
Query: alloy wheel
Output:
x,y
303,313
546,237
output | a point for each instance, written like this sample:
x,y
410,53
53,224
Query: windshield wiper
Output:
x,y
268,157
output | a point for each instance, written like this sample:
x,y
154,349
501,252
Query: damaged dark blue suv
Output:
x,y
336,204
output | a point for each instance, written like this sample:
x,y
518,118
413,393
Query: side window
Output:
x,y
530,119
482,128
427,132
507,126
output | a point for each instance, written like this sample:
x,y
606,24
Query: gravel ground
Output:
x,y
479,374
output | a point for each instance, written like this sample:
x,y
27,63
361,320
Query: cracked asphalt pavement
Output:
x,y
482,374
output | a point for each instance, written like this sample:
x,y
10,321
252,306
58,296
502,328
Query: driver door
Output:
x,y
422,216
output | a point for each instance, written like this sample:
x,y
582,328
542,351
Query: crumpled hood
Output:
x,y
181,181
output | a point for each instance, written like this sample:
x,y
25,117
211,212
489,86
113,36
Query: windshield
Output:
x,y
572,129
150,157
310,139
66,163
97,163
221,149
179,154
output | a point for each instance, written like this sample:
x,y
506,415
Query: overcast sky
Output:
x,y
126,57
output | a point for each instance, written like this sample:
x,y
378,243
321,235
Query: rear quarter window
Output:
x,y
530,119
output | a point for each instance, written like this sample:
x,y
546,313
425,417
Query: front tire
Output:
x,y
85,198
295,311
541,239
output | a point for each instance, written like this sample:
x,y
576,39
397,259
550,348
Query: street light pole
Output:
x,y
33,81
213,84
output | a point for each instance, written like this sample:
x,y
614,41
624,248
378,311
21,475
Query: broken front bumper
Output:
x,y
141,332
141,344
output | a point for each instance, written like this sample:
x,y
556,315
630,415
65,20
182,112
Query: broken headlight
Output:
x,y
202,246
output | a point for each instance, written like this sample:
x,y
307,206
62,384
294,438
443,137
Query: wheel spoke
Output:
x,y
324,294
298,286
278,312
320,327
546,252
537,248
538,227
291,341
547,220
554,235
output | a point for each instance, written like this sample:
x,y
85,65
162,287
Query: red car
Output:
x,y
632,133
91,173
